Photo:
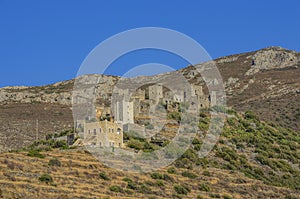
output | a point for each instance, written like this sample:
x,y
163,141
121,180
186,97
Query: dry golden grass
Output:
x,y
78,177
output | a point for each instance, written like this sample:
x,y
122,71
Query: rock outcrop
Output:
x,y
273,58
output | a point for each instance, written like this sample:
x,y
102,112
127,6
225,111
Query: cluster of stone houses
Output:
x,y
107,130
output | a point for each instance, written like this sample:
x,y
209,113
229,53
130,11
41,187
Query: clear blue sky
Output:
x,y
43,42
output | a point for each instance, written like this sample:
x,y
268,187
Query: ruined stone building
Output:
x,y
103,134
122,106
137,98
155,92
136,106
139,94
202,100
213,98
103,112
179,97
196,90
124,112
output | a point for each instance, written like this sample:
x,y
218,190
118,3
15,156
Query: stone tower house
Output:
x,y
155,92
124,112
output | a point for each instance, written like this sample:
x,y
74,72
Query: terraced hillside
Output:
x,y
252,159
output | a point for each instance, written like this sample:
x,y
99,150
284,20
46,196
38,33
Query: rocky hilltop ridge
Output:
x,y
61,92
56,93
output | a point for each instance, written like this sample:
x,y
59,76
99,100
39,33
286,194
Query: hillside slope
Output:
x,y
251,160
264,81
270,87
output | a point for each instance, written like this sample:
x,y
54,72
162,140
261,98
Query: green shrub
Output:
x,y
227,197
115,188
184,163
215,195
48,144
203,126
135,144
54,162
190,154
175,116
152,197
127,180
204,187
144,189
250,115
168,178
160,183
103,176
59,144
159,176
227,154
150,183
35,153
128,191
156,176
46,178
196,141
202,162
182,189
171,170
175,196
189,175
132,185
188,159
197,147
149,147
206,173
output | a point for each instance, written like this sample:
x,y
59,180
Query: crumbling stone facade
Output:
x,y
213,98
155,92
139,94
103,134
201,99
102,112
124,112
